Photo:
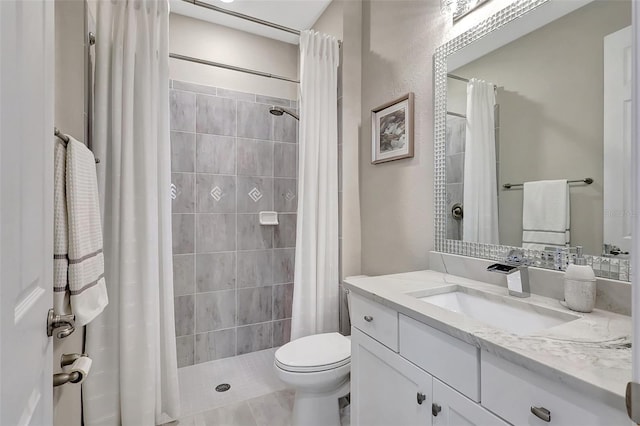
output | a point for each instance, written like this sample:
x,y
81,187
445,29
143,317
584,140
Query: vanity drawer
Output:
x,y
510,391
449,359
376,320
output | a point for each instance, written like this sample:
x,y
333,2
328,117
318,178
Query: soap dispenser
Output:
x,y
580,285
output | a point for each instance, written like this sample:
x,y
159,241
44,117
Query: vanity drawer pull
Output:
x,y
368,318
421,398
435,409
541,413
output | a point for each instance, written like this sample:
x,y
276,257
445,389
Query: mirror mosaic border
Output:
x,y
605,267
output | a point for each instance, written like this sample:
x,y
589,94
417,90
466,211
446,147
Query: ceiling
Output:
x,y
297,14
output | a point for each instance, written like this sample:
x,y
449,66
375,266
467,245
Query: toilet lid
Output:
x,y
318,352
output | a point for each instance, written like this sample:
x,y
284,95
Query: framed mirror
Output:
x,y
532,119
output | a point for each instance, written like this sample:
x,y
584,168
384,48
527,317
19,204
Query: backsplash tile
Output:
x,y
285,128
254,305
284,234
285,195
283,265
183,152
183,274
255,194
215,193
255,157
284,160
215,271
183,230
215,345
252,235
255,268
254,120
182,111
216,116
185,309
215,232
184,348
231,159
215,310
183,192
215,154
255,337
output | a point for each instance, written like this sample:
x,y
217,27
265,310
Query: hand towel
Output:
x,y
87,288
546,214
60,233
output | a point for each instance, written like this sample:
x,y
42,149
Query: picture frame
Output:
x,y
392,130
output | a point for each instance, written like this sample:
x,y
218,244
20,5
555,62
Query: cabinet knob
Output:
x,y
541,413
435,409
421,397
368,318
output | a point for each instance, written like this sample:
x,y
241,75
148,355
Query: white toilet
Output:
x,y
317,367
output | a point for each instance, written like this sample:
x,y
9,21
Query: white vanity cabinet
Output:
x,y
406,373
451,408
511,391
386,389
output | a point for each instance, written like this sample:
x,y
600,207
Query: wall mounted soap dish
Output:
x,y
269,218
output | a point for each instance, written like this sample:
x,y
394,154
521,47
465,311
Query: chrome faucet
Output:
x,y
516,268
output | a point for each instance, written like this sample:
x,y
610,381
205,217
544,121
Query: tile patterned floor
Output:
x,y
273,409
250,376
256,398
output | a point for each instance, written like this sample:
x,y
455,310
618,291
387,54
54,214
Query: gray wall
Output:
x,y
551,113
70,117
398,41
206,40
232,277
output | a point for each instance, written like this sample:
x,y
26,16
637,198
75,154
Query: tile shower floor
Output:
x,y
256,397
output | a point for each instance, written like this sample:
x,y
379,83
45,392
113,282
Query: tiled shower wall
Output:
x,y
454,165
233,277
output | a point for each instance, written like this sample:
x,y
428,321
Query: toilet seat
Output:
x,y
315,353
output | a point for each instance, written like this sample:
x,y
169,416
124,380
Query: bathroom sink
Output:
x,y
504,312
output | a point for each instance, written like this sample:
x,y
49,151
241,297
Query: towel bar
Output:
x,y
588,181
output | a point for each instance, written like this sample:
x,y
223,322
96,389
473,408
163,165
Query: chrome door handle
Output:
x,y
541,413
421,398
368,318
435,409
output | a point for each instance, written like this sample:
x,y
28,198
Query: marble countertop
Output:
x,y
591,354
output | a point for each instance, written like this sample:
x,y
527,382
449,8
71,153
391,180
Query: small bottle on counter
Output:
x,y
580,285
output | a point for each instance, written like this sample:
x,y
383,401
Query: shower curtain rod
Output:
x,y
231,67
243,16
247,17
466,80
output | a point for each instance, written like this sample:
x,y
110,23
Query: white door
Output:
x,y
26,206
386,389
618,118
451,408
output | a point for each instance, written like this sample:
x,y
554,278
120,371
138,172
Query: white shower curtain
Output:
x,y
480,182
134,377
315,291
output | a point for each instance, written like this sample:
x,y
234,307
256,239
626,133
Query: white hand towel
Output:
x,y
88,292
60,233
546,213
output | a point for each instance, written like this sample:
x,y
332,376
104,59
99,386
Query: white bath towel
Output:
x,y
87,289
60,232
546,213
